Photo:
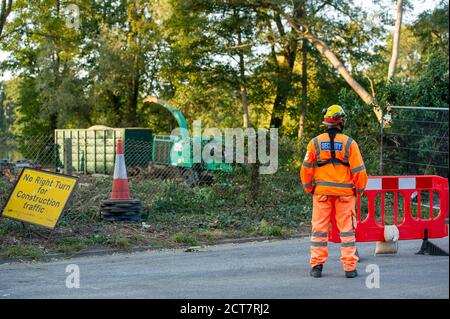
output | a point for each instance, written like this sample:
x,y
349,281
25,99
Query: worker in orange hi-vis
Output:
x,y
333,172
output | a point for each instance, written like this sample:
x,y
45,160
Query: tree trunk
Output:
x,y
301,124
395,41
135,13
279,105
133,100
242,83
53,118
243,91
284,83
53,121
5,10
325,51
339,66
116,104
133,93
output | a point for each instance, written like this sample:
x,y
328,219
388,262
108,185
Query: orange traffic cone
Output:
x,y
120,207
120,190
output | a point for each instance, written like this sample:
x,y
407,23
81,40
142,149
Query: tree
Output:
x,y
303,25
43,51
285,67
421,39
74,69
272,72
243,82
5,10
326,52
3,124
123,61
421,79
396,40
210,40
302,122
431,28
259,63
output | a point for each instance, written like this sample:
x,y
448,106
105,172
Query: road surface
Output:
x,y
270,269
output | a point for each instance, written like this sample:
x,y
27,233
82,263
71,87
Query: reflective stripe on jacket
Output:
x,y
333,178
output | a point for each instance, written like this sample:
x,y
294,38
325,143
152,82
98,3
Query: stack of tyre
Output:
x,y
121,210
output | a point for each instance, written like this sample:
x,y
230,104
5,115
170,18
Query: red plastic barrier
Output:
x,y
403,188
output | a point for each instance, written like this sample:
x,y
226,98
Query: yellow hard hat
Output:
x,y
334,114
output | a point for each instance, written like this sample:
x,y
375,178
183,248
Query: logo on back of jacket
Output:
x,y
326,146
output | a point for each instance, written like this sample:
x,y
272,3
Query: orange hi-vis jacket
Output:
x,y
342,176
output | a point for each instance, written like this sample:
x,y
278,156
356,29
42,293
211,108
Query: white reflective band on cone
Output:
x,y
120,171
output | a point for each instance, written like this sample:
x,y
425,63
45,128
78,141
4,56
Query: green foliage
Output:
x,y
430,89
419,42
362,125
200,55
429,137
432,29
185,239
121,242
69,245
8,226
263,228
196,54
98,239
21,251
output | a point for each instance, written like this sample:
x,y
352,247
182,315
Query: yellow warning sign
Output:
x,y
39,197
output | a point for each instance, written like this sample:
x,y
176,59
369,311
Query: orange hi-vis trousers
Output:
x,y
345,219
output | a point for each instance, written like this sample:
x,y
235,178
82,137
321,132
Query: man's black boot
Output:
x,y
316,271
351,274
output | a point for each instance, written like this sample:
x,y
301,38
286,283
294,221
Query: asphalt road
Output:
x,y
271,269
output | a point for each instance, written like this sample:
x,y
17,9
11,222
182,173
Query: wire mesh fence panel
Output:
x,y
416,142
180,195
205,194
226,194
18,152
